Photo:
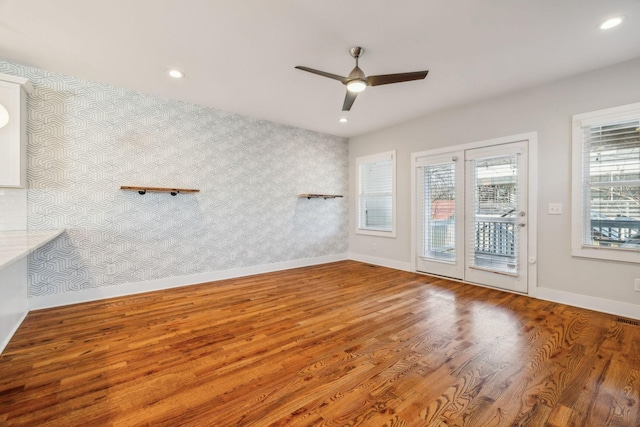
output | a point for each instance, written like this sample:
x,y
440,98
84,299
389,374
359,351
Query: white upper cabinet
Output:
x,y
13,130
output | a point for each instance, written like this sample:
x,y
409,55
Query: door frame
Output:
x,y
532,196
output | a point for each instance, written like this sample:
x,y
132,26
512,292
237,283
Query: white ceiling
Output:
x,y
239,55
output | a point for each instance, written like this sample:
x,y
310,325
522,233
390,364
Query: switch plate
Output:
x,y
636,285
555,209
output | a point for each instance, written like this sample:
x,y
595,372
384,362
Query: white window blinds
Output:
x,y
495,213
439,230
376,198
611,184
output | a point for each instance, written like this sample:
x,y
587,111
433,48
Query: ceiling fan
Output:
x,y
356,82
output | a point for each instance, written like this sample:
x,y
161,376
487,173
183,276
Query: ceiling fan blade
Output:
x,y
348,100
385,79
323,74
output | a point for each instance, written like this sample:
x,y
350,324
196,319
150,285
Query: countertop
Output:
x,y
16,244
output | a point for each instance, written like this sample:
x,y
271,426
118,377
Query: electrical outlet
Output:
x,y
555,209
111,269
232,255
374,247
636,285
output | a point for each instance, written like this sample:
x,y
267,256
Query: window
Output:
x,y
606,184
376,194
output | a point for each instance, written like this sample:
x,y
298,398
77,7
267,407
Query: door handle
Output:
x,y
522,224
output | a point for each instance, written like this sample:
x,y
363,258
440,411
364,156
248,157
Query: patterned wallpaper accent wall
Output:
x,y
85,139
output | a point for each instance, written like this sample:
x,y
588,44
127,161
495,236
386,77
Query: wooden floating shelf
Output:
x,y
172,191
319,196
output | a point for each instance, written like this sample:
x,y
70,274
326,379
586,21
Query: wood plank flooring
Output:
x,y
341,344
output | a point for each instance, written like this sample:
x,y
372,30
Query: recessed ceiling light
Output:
x,y
176,74
343,120
610,23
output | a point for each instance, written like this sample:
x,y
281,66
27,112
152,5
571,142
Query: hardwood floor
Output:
x,y
341,344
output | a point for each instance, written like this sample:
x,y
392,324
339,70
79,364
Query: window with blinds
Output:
x,y
376,194
609,182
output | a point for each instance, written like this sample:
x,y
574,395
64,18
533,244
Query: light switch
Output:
x,y
555,209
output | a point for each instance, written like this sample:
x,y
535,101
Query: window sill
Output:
x,y
621,255
376,233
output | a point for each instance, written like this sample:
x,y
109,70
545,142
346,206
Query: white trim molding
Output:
x,y
588,302
591,303
383,262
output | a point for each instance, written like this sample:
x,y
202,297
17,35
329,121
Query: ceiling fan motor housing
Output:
x,y
357,74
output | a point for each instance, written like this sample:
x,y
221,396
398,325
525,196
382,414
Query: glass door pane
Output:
x,y
495,212
440,212
440,215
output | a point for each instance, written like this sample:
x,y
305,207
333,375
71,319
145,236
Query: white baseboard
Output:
x,y
57,300
618,308
383,262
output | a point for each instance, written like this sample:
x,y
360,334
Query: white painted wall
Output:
x,y
547,110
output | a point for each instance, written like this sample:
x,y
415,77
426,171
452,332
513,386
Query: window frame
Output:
x,y
578,224
374,158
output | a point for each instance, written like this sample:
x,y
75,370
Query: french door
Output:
x,y
471,219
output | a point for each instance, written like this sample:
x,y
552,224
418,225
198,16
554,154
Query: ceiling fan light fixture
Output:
x,y
610,23
356,86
